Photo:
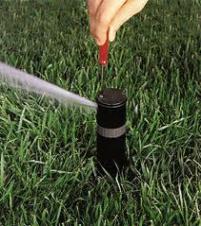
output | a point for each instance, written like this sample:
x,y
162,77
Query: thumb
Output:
x,y
129,9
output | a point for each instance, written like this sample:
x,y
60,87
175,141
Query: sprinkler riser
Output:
x,y
111,131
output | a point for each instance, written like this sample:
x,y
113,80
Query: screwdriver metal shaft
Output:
x,y
103,69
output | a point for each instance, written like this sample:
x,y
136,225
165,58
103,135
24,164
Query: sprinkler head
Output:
x,y
111,131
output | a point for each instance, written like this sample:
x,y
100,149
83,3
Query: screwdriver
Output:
x,y
103,57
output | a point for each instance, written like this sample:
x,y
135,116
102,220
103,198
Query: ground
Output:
x,y
47,151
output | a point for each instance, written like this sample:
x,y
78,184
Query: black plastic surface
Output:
x,y
111,154
111,113
111,98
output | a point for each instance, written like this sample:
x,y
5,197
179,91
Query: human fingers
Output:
x,y
104,15
129,9
92,6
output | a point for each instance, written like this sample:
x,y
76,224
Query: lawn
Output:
x,y
47,151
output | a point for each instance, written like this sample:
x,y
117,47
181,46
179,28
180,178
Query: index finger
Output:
x,y
104,15
93,6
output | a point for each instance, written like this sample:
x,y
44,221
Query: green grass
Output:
x,y
47,152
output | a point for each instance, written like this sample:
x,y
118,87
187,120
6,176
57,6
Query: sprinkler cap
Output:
x,y
111,111
111,98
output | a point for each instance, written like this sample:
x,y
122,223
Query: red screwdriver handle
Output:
x,y
103,53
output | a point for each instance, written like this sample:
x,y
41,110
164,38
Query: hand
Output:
x,y
106,16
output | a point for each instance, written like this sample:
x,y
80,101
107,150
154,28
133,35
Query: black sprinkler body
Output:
x,y
111,131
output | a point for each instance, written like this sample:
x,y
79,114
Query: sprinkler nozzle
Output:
x,y
111,131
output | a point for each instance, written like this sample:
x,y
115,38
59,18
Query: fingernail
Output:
x,y
98,42
112,36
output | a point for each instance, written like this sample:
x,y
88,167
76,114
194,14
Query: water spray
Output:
x,y
18,79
